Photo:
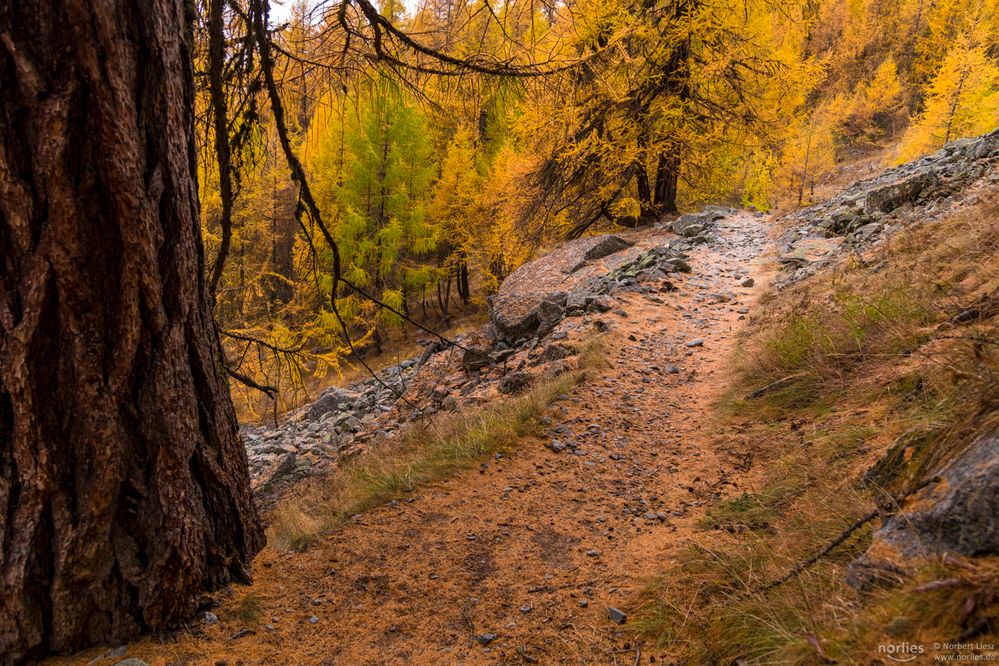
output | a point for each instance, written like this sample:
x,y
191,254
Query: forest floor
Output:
x,y
520,560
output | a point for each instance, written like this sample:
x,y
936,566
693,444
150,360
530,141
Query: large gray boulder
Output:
x,y
888,197
956,514
516,311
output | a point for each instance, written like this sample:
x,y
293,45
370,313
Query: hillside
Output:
x,y
655,427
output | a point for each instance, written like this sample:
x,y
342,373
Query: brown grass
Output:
x,y
878,379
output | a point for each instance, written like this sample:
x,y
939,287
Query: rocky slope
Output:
x,y
538,320
873,209
955,511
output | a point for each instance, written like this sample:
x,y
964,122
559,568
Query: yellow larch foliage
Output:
x,y
962,100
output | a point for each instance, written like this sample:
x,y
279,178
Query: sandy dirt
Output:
x,y
519,560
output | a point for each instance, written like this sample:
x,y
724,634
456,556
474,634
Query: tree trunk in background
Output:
x,y
673,76
284,226
124,492
667,177
463,289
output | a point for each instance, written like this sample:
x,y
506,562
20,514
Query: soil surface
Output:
x,y
518,561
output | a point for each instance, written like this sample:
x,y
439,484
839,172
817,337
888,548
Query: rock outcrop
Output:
x,y
577,277
872,209
533,294
955,514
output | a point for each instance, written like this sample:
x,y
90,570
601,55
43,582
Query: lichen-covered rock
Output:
x,y
955,514
516,382
550,312
556,351
691,224
886,198
332,399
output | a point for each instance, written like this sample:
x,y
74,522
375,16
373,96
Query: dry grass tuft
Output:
x,y
292,527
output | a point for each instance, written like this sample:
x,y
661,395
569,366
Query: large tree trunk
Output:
x,y
124,492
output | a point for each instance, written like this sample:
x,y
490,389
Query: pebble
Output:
x,y
616,615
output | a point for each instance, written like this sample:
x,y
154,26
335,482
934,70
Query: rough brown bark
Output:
x,y
667,177
124,492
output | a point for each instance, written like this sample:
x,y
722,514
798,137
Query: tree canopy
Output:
x,y
439,146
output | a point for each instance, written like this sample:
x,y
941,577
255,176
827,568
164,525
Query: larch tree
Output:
x,y
376,168
456,209
124,492
688,80
961,100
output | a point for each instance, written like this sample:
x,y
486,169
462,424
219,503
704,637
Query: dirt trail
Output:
x,y
533,546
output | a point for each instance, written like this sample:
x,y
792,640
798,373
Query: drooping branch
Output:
x,y
258,19
257,341
269,391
